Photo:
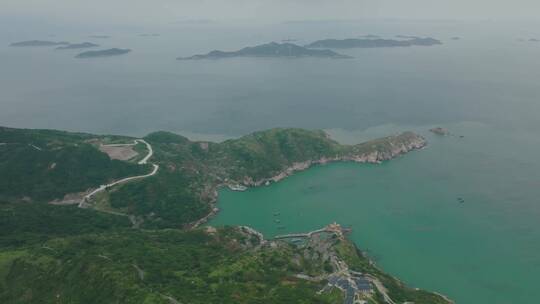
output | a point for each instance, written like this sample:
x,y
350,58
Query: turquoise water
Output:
x,y
405,213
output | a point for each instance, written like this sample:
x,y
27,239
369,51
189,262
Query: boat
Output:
x,y
237,187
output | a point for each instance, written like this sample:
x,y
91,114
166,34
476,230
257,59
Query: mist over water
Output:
x,y
487,76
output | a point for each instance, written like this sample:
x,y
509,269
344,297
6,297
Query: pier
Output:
x,y
332,228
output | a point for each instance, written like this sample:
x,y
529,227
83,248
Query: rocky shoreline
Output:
x,y
414,142
398,147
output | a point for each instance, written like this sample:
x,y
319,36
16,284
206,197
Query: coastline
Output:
x,y
370,158
343,269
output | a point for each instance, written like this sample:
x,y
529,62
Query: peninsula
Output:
x,y
109,258
270,50
37,43
372,43
83,45
103,53
184,191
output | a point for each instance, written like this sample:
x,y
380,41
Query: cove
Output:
x,y
460,217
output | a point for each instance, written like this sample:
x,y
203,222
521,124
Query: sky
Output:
x,y
170,11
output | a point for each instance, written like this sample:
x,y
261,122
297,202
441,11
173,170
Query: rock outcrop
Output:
x,y
372,152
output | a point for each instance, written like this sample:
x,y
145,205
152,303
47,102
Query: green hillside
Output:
x,y
90,257
185,187
43,165
65,254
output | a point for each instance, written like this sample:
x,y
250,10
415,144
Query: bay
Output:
x,y
407,214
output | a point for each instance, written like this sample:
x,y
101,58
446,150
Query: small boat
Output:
x,y
281,227
237,187
277,221
276,213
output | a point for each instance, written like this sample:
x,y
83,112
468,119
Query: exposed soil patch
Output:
x,y
119,152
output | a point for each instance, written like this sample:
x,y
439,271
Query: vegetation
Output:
x,y
23,224
398,291
44,165
64,254
270,50
148,267
103,53
262,154
162,200
190,172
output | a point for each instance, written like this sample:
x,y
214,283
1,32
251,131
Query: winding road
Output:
x,y
150,151
144,161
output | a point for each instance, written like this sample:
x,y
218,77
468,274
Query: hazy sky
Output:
x,y
166,11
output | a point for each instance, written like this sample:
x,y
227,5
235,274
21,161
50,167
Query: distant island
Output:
x,y
407,37
31,43
83,45
456,38
99,36
271,50
148,35
534,40
373,43
103,53
440,131
370,36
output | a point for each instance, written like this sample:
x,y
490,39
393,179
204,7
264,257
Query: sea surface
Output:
x,y
460,217
405,213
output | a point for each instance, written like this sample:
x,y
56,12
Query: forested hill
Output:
x,y
184,190
43,165
65,254
46,165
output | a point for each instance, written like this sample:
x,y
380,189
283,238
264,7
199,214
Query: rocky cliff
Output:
x,y
373,152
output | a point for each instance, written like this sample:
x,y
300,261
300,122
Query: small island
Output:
x,y
534,40
35,43
407,37
440,131
373,43
370,36
72,46
103,53
99,36
270,50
